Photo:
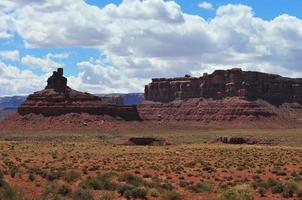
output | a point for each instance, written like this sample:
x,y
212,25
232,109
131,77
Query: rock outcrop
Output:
x,y
59,99
224,96
246,140
227,83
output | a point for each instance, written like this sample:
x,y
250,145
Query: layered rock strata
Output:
x,y
227,83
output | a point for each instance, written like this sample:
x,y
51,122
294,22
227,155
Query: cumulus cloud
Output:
x,y
10,55
205,5
46,64
154,38
12,81
97,77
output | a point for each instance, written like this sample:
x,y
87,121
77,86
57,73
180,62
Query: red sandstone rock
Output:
x,y
58,99
227,83
205,110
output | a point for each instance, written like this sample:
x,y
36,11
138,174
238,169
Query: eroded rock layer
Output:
x,y
206,110
227,83
58,99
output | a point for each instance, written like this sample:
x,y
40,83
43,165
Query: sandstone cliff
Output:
x,y
227,83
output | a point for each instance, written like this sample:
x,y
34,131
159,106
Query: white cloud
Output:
x,y
10,55
205,5
96,77
12,81
46,64
64,55
155,38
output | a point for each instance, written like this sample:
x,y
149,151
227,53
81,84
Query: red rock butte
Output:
x,y
59,99
227,83
224,96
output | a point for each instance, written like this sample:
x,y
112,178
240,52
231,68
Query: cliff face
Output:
x,y
59,99
227,83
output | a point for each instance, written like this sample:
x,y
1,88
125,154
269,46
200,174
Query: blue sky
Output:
x,y
119,48
266,9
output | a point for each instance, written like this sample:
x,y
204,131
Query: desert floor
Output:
x,y
94,164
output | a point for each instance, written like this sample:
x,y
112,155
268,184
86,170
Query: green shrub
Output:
x,y
154,192
56,191
72,176
172,195
132,179
9,193
202,187
101,182
262,191
289,188
108,196
82,194
139,192
31,177
237,193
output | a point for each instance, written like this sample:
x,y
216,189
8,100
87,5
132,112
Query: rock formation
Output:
x,y
59,99
227,83
224,96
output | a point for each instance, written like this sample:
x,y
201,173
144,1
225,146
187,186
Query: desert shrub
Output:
x,y
299,191
202,187
139,192
100,182
108,196
261,191
54,174
124,188
172,195
237,193
166,186
154,192
82,194
183,183
56,191
271,183
278,188
72,176
31,177
132,179
8,192
289,188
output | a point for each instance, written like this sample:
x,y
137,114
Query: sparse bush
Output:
x,y
154,192
108,196
289,188
132,179
172,195
262,191
56,191
202,187
72,176
82,194
237,193
101,182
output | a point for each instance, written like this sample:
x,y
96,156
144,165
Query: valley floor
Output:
x,y
93,164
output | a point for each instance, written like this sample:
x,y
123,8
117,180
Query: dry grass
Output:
x,y
192,168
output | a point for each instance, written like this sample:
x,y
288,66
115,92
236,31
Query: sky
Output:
x,y
118,46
